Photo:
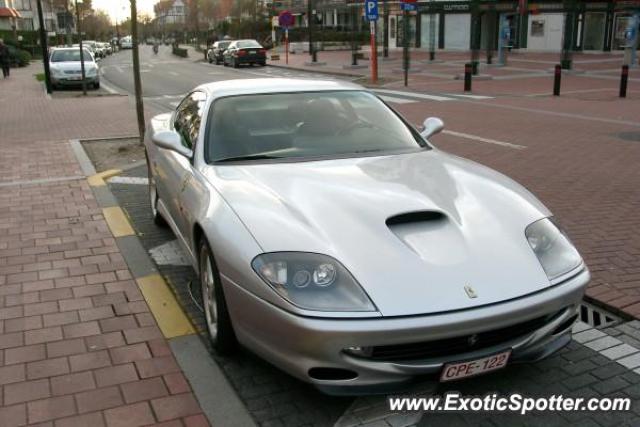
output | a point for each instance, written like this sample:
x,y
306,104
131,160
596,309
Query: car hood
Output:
x,y
465,225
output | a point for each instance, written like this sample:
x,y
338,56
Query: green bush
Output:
x,y
24,58
178,51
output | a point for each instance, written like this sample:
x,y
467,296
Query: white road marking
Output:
x,y
108,88
129,180
397,100
415,95
173,73
481,139
119,69
169,253
470,96
174,104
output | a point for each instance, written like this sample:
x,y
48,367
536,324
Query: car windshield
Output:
x,y
305,125
69,55
247,43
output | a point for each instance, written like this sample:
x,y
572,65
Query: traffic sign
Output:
x,y
371,10
285,18
409,7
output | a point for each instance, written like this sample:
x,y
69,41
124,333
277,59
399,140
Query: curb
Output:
x,y
218,400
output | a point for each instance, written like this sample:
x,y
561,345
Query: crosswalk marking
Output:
x,y
397,100
415,95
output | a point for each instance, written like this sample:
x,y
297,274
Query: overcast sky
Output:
x,y
120,9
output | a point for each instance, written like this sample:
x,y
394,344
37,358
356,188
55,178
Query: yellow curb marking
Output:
x,y
98,179
117,221
166,310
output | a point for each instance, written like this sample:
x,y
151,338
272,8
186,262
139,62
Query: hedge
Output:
x,y
178,51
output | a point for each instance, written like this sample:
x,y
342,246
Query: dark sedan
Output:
x,y
245,52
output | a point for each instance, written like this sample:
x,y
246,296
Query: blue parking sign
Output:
x,y
371,9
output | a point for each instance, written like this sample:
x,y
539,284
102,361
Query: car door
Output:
x,y
176,169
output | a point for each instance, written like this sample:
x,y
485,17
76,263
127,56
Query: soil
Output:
x,y
117,153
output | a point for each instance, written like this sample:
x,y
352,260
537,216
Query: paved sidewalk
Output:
x,y
525,73
78,344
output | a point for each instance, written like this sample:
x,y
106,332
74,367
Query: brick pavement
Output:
x,y
78,345
533,72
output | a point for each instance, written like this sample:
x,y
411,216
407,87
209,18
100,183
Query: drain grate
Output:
x,y
597,317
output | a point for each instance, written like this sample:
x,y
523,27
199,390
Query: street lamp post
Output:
x,y
84,81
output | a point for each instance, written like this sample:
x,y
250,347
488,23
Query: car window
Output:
x,y
69,55
188,118
248,43
305,125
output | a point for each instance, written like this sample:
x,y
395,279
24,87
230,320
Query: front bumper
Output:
x,y
64,81
299,344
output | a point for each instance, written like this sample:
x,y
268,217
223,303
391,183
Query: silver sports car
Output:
x,y
333,240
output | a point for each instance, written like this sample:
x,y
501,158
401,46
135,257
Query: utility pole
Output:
x,y
310,24
136,70
475,35
79,25
405,45
385,29
45,49
432,34
566,58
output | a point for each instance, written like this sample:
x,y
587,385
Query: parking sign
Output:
x,y
371,7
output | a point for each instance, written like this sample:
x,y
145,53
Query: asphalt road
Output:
x,y
166,78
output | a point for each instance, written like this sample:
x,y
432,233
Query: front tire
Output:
x,y
153,197
218,321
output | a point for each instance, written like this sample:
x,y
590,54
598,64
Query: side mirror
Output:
x,y
170,140
432,126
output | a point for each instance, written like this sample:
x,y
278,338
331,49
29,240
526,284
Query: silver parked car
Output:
x,y
335,241
66,69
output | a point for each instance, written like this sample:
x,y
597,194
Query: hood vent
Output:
x,y
414,217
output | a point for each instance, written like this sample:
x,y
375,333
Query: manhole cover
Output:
x,y
630,136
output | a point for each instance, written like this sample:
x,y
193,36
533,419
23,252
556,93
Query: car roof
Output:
x,y
275,85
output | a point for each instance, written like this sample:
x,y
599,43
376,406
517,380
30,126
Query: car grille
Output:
x,y
73,71
458,345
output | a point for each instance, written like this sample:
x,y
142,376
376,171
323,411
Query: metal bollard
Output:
x,y
557,75
468,69
624,77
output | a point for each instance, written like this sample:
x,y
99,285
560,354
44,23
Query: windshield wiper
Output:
x,y
248,157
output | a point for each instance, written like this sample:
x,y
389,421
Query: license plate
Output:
x,y
470,368
75,78
252,52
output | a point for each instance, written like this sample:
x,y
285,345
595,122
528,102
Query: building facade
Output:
x,y
170,12
534,25
28,11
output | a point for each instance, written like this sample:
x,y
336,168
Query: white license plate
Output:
x,y
75,78
470,368
252,52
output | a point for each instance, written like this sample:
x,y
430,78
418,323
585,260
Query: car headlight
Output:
x,y
91,71
56,71
554,250
312,281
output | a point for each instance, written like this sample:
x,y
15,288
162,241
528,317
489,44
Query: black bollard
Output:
x,y
468,69
557,75
624,77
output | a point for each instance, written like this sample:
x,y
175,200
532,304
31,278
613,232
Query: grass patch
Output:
x,y
39,77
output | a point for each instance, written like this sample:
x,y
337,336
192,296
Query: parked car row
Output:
x,y
237,52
